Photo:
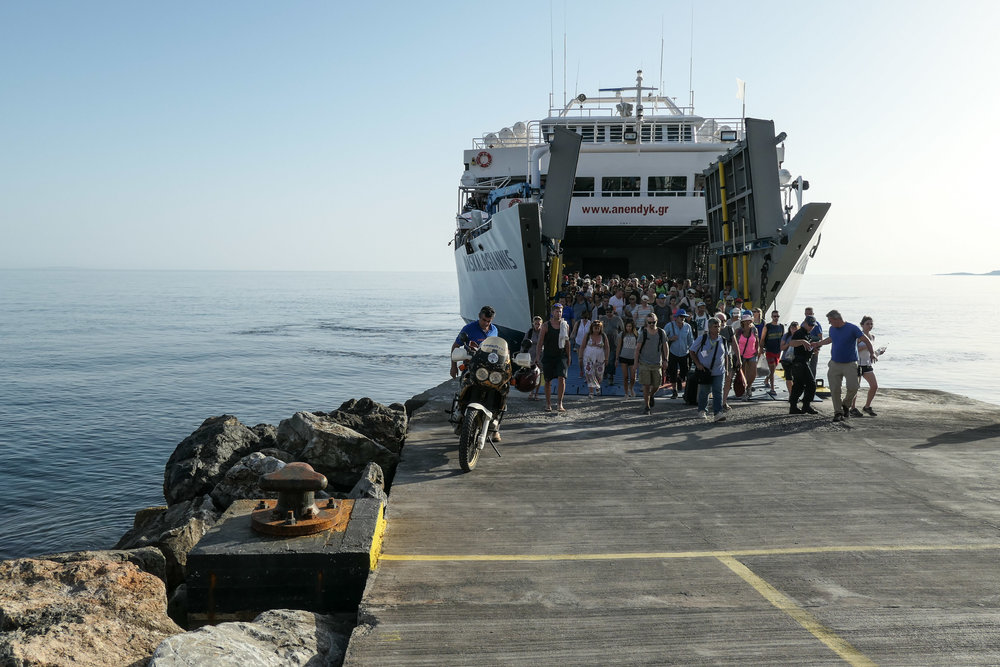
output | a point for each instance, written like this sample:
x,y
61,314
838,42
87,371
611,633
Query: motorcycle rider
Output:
x,y
476,332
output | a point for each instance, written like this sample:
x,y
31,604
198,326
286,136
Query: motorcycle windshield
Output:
x,y
498,346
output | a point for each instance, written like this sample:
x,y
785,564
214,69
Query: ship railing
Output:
x,y
659,130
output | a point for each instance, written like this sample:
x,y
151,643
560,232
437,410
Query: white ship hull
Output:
x,y
494,274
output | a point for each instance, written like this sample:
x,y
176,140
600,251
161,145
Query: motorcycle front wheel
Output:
x,y
468,441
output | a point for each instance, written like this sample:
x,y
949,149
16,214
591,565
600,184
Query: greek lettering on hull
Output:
x,y
492,260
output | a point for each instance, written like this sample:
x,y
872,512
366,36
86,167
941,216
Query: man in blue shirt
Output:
x,y
843,361
476,332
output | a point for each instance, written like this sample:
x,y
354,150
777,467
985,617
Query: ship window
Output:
x,y
688,133
614,133
646,133
620,186
583,186
699,185
673,133
667,186
587,132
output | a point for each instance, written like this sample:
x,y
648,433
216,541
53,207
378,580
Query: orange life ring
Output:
x,y
484,159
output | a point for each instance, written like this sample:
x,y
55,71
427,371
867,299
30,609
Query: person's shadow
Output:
x,y
959,437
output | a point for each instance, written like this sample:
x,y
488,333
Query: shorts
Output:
x,y
786,365
865,369
628,361
554,368
649,375
772,358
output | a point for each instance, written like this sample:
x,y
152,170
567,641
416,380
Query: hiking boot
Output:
x,y
838,417
793,410
869,411
846,411
810,410
856,413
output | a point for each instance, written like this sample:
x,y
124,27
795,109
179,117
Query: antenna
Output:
x,y
564,61
691,62
661,54
552,58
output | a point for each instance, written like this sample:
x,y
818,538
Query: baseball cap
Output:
x,y
700,303
645,297
680,313
661,295
746,317
809,320
735,312
690,290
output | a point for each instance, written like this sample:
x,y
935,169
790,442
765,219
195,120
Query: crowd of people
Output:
x,y
659,332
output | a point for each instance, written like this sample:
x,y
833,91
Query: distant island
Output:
x,y
966,273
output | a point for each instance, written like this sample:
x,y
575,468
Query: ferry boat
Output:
x,y
628,182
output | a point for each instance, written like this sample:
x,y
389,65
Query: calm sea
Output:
x,y
104,372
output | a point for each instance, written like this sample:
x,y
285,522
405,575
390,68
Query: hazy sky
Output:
x,y
329,135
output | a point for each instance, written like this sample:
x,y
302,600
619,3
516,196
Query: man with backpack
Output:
x,y
651,360
680,337
710,355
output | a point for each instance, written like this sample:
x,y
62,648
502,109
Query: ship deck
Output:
x,y
606,537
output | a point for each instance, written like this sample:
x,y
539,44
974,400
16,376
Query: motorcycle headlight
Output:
x,y
482,374
496,377
493,358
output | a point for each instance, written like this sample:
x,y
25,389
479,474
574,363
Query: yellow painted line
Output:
x,y
657,555
376,549
800,615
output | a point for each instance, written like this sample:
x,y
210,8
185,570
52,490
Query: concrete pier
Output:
x,y
606,537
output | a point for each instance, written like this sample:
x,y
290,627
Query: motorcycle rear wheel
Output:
x,y
468,441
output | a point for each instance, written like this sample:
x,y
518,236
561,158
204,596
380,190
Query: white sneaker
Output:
x,y
721,417
703,415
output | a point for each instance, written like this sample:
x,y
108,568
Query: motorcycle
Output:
x,y
481,401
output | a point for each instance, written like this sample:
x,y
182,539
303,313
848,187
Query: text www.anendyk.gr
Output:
x,y
641,209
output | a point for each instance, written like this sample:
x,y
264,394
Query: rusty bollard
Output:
x,y
295,512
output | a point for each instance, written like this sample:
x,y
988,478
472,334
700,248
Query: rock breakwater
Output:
x,y
111,607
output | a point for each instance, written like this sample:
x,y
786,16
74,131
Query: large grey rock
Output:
x,y
279,637
331,448
384,424
242,481
173,530
268,435
91,612
371,484
147,559
201,459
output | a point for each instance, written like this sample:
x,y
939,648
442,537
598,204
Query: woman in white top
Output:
x,y
580,328
593,356
787,353
866,369
626,357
